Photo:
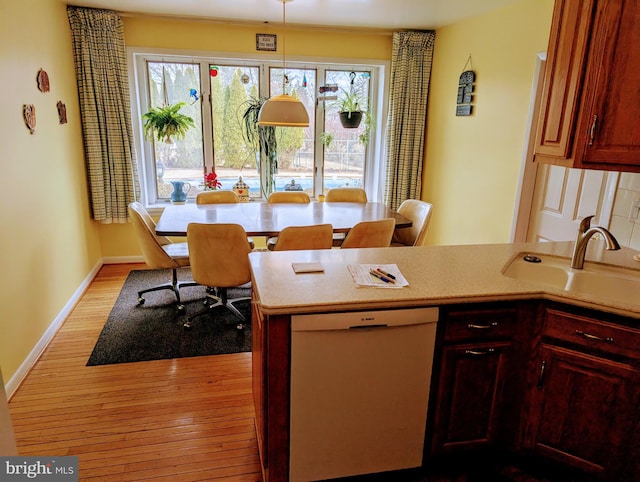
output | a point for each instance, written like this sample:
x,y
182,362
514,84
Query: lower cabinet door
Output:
x,y
580,411
470,396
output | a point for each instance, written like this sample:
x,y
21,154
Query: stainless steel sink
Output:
x,y
601,281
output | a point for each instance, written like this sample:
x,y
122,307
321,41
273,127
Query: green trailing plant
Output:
x,y
263,140
326,138
165,122
349,101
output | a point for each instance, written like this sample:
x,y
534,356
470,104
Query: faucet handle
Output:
x,y
585,224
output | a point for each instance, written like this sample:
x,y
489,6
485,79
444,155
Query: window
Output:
x,y
216,93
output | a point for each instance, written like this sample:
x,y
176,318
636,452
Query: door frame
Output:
x,y
527,186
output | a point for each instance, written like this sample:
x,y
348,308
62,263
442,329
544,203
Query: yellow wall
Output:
x,y
49,243
472,163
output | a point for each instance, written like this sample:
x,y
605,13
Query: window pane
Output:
x,y
182,159
344,157
232,88
296,161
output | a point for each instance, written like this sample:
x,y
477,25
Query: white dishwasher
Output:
x,y
359,391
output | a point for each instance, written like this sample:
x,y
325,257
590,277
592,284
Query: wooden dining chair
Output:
x,y
293,238
217,197
419,212
346,194
370,234
219,256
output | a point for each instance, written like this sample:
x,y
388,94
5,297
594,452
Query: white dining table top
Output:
x,y
268,219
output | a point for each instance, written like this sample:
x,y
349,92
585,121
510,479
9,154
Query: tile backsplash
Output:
x,y
625,219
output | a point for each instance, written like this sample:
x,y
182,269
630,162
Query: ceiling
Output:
x,y
383,14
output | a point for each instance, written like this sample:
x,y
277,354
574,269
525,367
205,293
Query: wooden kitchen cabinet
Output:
x,y
584,399
591,95
479,379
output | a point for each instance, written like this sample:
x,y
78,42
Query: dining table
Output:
x,y
268,219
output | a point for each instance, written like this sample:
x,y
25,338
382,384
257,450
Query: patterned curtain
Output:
x,y
409,89
103,90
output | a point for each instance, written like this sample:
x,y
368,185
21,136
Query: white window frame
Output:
x,y
374,172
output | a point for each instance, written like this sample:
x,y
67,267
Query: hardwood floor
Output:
x,y
184,419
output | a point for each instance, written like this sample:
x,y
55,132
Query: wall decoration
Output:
x,y
62,112
29,113
465,90
43,81
266,41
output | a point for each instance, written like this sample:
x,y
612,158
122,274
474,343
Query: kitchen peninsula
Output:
x,y
520,327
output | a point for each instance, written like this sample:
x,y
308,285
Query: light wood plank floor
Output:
x,y
185,419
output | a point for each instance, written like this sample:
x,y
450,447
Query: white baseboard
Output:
x,y
14,382
123,259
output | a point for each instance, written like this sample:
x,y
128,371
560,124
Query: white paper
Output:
x,y
362,275
312,267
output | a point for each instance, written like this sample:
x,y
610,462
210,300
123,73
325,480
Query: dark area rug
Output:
x,y
154,330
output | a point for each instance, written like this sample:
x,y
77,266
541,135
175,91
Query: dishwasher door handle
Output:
x,y
368,327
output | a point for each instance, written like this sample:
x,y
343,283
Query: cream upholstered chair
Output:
x,y
217,197
220,197
159,252
289,197
370,234
346,194
292,238
420,213
299,197
219,255
342,195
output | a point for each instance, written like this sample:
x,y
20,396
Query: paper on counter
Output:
x,y
362,277
311,267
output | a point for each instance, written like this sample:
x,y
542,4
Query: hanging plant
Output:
x,y
263,140
349,109
165,122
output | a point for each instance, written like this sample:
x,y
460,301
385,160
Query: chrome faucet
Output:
x,y
585,231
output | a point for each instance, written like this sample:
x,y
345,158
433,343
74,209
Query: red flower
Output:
x,y
211,181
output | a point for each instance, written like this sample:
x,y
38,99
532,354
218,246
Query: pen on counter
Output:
x,y
384,273
380,276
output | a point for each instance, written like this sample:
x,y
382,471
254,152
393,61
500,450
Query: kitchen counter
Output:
x,y
437,275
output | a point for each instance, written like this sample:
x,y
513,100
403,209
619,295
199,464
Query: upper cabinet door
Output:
x,y
612,87
590,111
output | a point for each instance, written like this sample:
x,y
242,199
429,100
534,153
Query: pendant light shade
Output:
x,y
283,110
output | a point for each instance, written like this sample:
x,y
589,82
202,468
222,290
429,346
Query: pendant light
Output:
x,y
283,110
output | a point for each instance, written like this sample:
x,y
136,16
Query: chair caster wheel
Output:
x,y
187,325
180,307
240,327
140,301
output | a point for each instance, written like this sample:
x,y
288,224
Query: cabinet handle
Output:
x,y
473,326
592,131
543,366
589,336
479,352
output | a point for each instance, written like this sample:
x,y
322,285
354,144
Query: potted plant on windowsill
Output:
x,y
165,122
263,140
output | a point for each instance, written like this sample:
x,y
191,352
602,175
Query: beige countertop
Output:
x,y
437,275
